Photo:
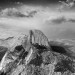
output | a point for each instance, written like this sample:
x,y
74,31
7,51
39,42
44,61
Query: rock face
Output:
x,y
36,36
35,55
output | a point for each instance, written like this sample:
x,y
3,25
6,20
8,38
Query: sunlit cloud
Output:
x,y
14,12
68,4
8,12
60,20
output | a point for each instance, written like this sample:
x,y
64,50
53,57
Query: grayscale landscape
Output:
x,y
37,37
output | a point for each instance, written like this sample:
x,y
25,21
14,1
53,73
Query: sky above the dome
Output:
x,y
57,20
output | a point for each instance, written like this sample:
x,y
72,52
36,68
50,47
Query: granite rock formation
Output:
x,y
35,55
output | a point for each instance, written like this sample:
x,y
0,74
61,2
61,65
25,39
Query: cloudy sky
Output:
x,y
19,16
30,0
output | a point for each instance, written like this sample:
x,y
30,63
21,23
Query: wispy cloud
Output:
x,y
59,20
72,20
11,12
14,12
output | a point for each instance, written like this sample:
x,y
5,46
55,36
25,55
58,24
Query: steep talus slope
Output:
x,y
35,55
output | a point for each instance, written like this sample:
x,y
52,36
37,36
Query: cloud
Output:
x,y
14,12
56,21
72,20
60,20
68,4
19,3
11,12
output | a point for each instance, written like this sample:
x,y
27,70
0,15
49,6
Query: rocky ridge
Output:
x,y
35,55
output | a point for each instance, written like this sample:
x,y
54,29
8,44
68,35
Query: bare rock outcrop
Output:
x,y
36,36
35,55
